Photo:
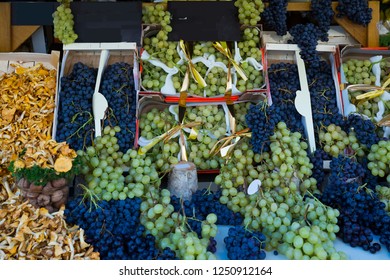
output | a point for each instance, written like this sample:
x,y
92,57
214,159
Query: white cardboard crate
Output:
x,y
49,61
89,54
290,53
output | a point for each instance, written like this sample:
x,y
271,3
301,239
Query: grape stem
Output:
x,y
367,190
91,196
82,126
91,131
208,190
315,198
305,215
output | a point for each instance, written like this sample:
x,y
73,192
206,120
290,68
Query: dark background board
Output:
x,y
108,21
94,21
204,21
32,13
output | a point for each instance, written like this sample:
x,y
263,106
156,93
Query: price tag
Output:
x,y
254,187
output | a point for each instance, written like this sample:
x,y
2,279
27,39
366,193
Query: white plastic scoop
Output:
x,y
99,102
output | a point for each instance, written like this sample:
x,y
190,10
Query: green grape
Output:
x,y
156,14
370,108
378,159
158,47
249,46
105,169
255,78
63,23
194,87
156,122
358,71
153,77
249,11
216,81
334,141
212,128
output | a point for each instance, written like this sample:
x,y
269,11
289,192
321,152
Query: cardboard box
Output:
x,y
336,35
262,61
276,53
49,61
148,102
356,52
89,54
150,30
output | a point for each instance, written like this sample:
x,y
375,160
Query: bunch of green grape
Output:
x,y
249,11
334,141
213,127
235,173
203,49
178,78
157,14
358,71
156,213
212,118
111,174
166,154
142,175
103,166
155,122
287,167
383,193
249,46
63,23
368,107
153,77
216,80
379,159
171,229
255,78
194,87
298,228
385,69
199,153
241,109
159,48
188,245
312,233
206,49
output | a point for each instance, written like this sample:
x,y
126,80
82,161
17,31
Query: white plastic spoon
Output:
x,y
99,102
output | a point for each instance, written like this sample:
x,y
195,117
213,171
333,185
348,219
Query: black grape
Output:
x,y
75,119
355,10
275,16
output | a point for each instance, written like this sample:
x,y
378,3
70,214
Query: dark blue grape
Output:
x,y
118,88
242,244
364,129
306,36
322,13
262,119
205,202
323,97
355,10
362,214
317,158
114,229
275,16
75,119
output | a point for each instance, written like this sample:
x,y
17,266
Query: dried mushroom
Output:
x,y
27,102
28,233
